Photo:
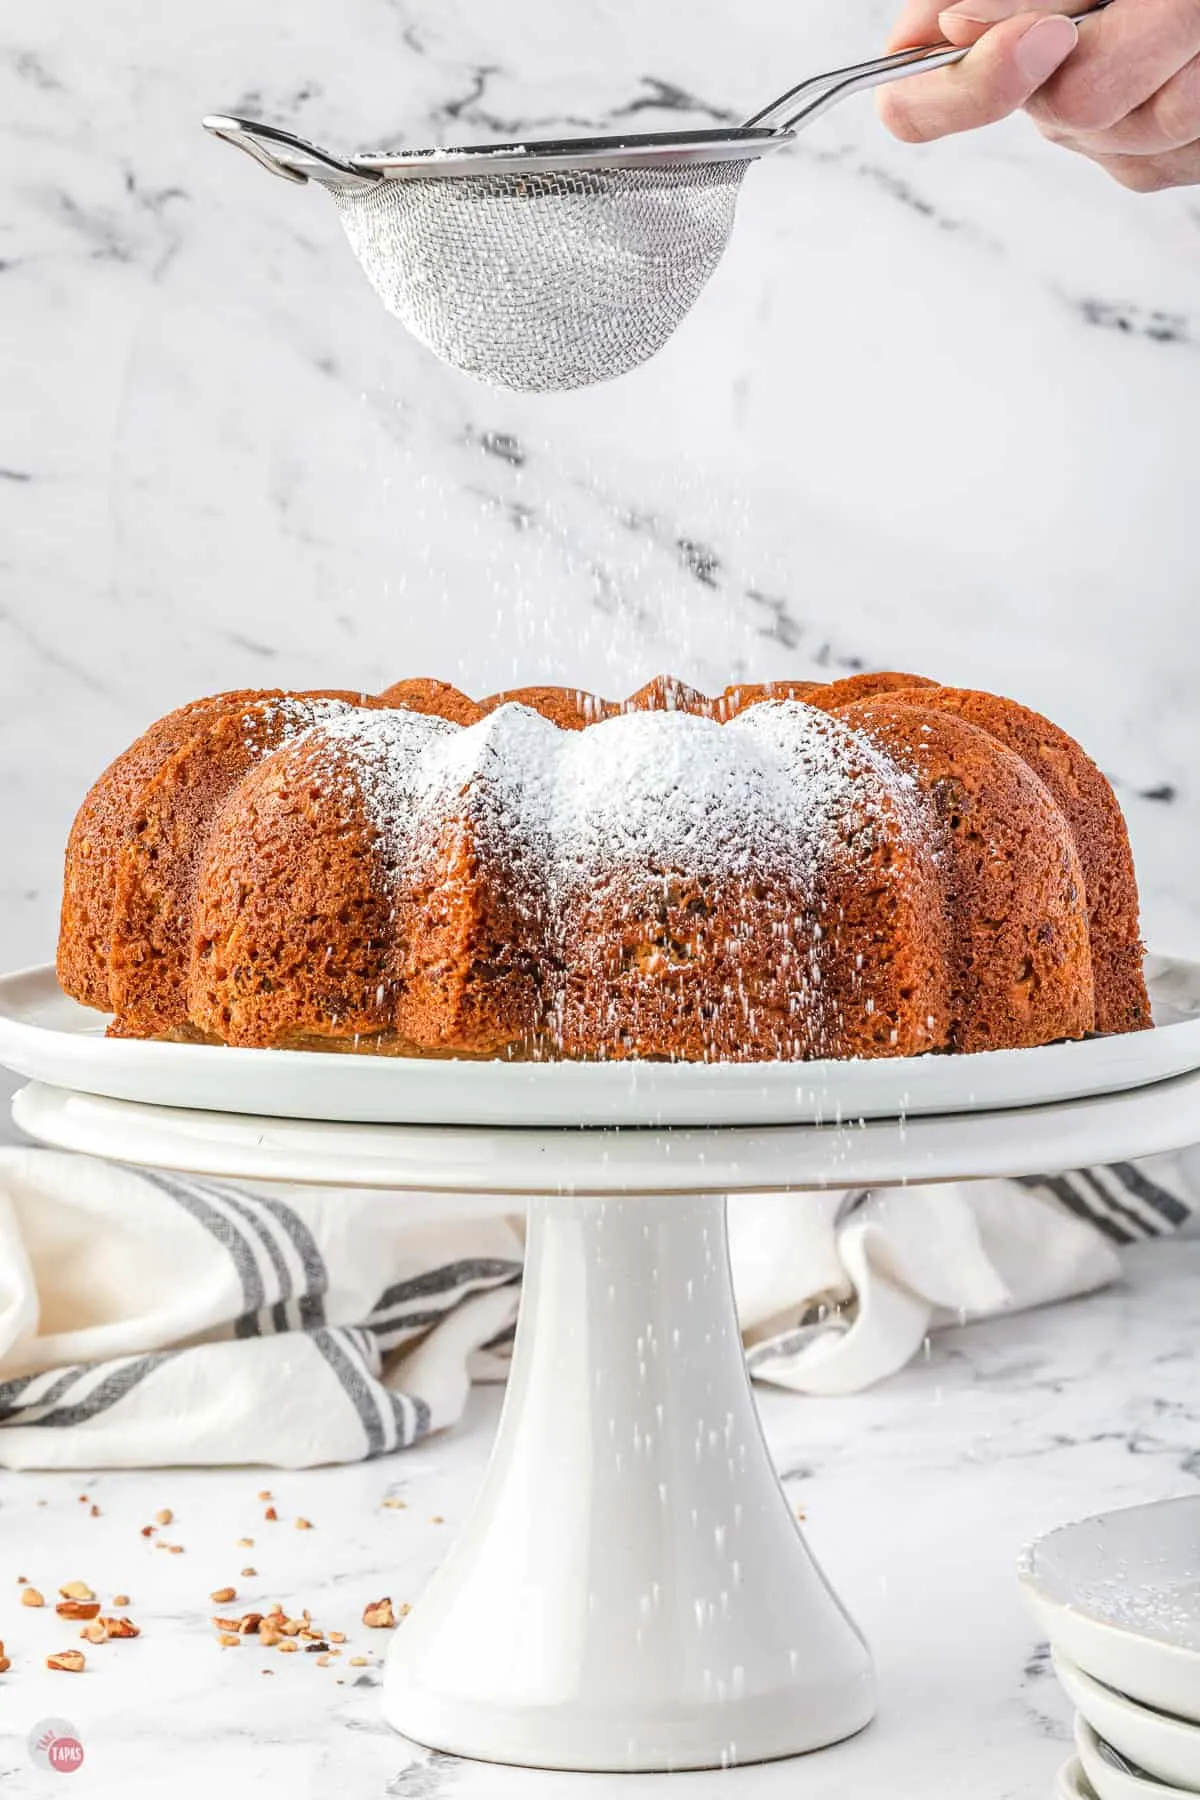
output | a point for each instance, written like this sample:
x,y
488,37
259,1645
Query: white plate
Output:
x,y
1111,1782
1073,1784
1166,1748
1119,1595
47,1037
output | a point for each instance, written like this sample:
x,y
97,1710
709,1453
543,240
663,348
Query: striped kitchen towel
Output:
x,y
156,1319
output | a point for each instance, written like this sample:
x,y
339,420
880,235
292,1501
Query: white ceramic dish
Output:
x,y
1110,1781
49,1038
481,1159
1167,1749
1073,1784
1119,1595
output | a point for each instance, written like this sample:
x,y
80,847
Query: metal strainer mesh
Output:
x,y
541,281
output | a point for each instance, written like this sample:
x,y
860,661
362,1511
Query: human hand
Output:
x,y
1123,89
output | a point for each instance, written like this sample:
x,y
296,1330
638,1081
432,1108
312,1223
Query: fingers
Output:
x,y
926,21
1125,56
1124,92
1002,72
1168,120
917,24
1153,174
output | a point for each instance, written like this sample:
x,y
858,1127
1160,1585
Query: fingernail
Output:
x,y
982,12
1044,47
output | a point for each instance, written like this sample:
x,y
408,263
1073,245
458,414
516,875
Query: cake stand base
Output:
x,y
632,1591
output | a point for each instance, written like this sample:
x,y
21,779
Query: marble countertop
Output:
x,y
918,1497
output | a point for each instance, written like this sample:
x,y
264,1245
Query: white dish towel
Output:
x,y
154,1319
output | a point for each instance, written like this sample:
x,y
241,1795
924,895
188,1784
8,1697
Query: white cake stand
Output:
x,y
631,1591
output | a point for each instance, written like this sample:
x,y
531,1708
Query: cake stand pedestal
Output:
x,y
631,1591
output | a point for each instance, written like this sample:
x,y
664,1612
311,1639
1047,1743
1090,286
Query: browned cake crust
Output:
x,y
292,926
435,697
744,694
1090,806
862,687
224,880
1020,961
571,709
154,903
298,941
106,822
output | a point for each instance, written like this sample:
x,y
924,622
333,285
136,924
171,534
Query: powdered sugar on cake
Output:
x,y
774,792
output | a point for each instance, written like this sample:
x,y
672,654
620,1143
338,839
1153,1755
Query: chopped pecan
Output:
x,y
378,1614
71,1662
77,1609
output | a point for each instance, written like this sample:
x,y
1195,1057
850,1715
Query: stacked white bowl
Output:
x,y
1118,1596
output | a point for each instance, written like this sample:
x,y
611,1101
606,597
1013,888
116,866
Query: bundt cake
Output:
x,y
875,867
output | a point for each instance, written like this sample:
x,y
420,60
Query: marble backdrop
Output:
x,y
939,408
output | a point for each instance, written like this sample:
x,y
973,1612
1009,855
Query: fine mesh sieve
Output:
x,y
556,264
542,281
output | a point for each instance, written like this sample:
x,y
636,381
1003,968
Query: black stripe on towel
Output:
x,y
411,1416
470,1272
316,1275
415,1321
11,1391
1151,1194
1138,1223
283,1275
221,1227
357,1385
1060,1187
13,1402
120,1380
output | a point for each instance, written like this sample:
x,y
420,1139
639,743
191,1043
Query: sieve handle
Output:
x,y
809,99
282,154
